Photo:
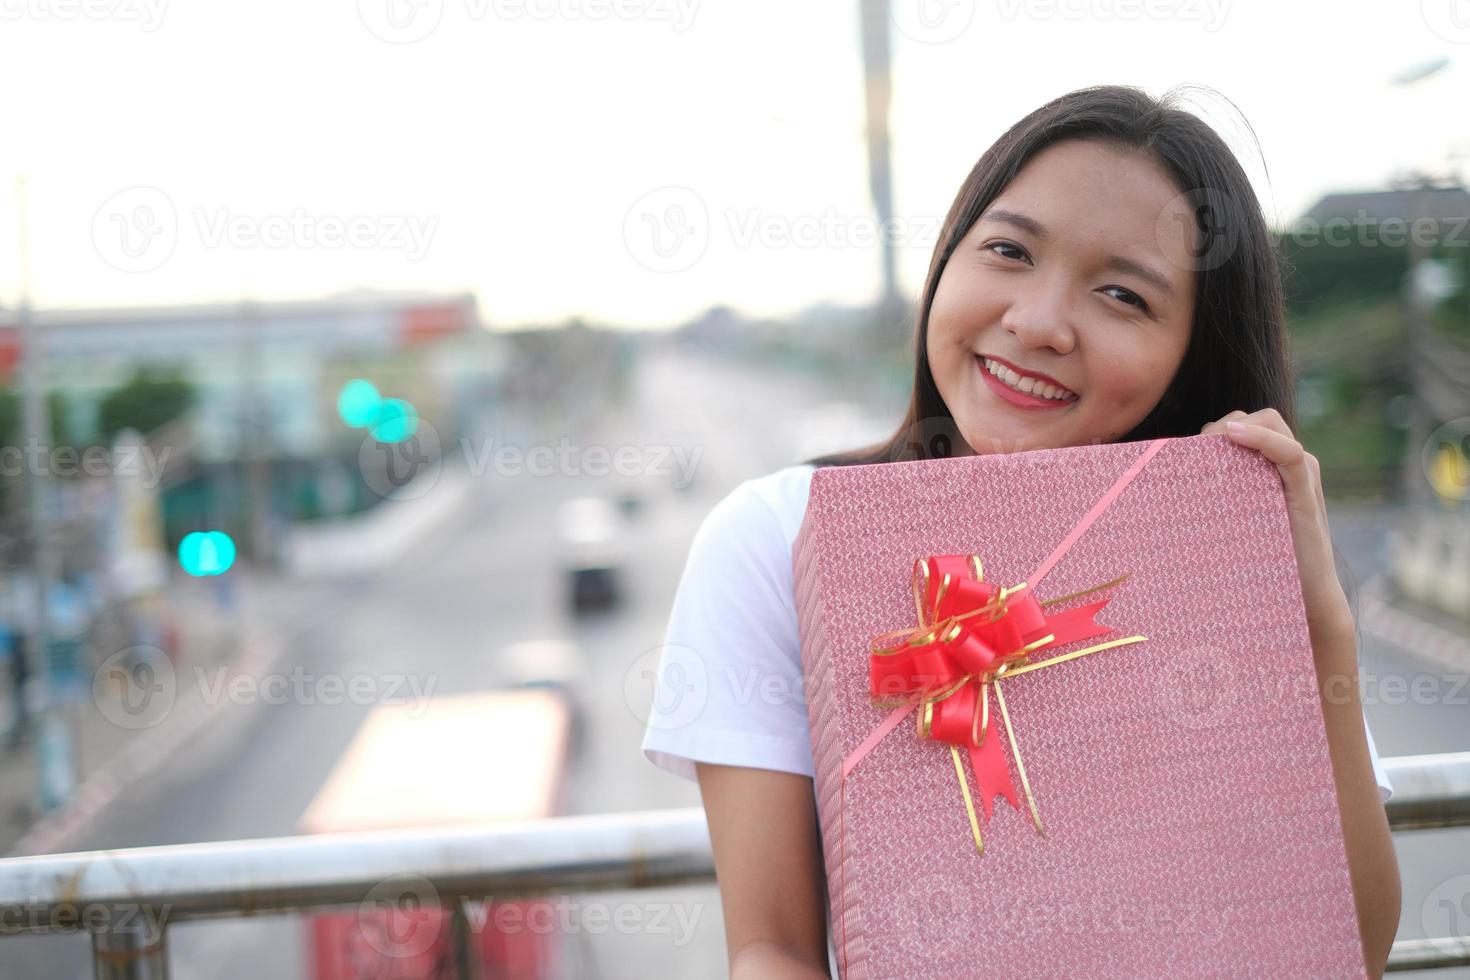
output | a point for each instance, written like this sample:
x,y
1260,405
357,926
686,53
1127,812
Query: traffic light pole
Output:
x,y
52,737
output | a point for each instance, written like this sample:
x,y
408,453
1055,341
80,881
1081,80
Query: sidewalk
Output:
x,y
1430,635
143,707
135,717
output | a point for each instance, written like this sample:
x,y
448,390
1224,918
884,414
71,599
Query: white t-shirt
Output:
x,y
729,684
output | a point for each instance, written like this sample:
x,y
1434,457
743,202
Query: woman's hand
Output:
x,y
1328,612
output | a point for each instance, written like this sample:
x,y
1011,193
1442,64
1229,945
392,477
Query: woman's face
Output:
x,y
1080,270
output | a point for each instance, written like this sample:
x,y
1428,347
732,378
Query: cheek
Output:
x,y
960,311
1133,377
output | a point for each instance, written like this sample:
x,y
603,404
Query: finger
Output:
x,y
1314,468
1219,424
1282,450
1271,419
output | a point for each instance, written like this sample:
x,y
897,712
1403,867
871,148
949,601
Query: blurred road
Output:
x,y
488,579
480,582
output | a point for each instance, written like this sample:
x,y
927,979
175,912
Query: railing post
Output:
x,y
132,945
466,951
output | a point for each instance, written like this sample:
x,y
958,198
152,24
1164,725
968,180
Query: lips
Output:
x,y
1034,384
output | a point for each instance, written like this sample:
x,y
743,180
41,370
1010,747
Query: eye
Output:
x,y
995,245
1129,297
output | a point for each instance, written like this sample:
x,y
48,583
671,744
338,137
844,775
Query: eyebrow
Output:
x,y
1117,263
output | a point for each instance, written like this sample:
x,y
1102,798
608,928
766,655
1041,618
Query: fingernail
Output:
x,y
1234,428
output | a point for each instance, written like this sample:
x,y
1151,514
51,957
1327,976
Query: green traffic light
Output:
x,y
394,421
206,553
358,402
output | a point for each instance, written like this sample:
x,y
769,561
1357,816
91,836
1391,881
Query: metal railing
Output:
x,y
131,896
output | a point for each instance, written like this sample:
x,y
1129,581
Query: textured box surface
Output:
x,y
1184,782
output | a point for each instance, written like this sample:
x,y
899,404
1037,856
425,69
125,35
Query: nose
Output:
x,y
1040,316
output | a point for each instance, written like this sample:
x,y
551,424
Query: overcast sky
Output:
x,y
631,161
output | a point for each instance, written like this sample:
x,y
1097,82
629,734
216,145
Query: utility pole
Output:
x,y
1417,327
257,440
877,92
52,738
1414,328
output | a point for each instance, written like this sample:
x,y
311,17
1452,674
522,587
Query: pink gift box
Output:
x,y
1183,781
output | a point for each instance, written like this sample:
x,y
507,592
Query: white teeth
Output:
x,y
1028,385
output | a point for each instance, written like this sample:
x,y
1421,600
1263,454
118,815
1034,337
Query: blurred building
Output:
x,y
262,445
281,362
1415,242
1447,206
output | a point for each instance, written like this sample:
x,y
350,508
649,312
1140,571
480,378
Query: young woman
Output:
x,y
1105,274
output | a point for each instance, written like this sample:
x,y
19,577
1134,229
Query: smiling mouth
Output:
x,y
1041,391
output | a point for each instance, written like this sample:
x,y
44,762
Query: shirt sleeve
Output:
x,y
1385,788
728,687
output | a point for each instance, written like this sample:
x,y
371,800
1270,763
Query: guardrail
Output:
x,y
131,896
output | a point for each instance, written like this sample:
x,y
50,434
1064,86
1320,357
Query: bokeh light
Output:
x,y
357,402
206,553
395,420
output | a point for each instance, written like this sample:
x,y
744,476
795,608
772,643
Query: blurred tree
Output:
x,y
10,418
1319,276
146,401
1452,315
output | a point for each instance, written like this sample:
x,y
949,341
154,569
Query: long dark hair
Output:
x,y
1237,355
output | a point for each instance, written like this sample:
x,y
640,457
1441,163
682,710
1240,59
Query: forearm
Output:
x,y
1372,863
762,960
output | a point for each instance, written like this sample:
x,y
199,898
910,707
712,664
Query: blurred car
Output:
x,y
436,765
591,544
631,497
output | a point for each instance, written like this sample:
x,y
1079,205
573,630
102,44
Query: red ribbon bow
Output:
x,y
970,634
